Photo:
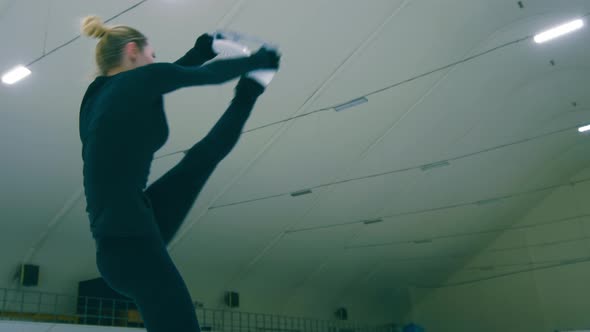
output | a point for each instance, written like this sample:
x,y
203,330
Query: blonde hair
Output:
x,y
112,40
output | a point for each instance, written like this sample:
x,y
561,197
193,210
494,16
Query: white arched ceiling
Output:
x,y
505,121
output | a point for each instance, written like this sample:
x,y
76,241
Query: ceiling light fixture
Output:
x,y
372,221
435,165
301,193
15,75
488,201
351,104
559,31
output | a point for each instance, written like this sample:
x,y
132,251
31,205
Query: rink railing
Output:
x,y
37,306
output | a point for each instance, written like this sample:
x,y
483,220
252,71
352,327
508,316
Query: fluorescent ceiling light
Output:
x,y
301,192
372,221
15,75
487,268
435,165
351,104
559,31
488,201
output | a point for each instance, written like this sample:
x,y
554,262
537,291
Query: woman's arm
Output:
x,y
200,53
162,78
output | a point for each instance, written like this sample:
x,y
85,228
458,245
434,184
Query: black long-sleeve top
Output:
x,y
122,125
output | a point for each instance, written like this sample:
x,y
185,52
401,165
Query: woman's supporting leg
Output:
x,y
141,269
173,195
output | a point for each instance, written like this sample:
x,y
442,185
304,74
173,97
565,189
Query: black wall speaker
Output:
x,y
29,275
232,299
342,314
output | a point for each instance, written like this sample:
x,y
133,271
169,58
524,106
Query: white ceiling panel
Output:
x,y
496,119
229,240
22,32
64,17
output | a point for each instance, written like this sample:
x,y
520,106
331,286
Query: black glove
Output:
x,y
266,58
204,46
200,53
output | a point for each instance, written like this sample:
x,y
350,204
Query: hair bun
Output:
x,y
92,26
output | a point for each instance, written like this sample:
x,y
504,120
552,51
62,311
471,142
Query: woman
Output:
x,y
122,124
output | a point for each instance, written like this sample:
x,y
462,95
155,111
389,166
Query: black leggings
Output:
x,y
140,267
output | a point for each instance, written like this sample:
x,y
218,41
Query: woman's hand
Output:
x,y
267,58
204,46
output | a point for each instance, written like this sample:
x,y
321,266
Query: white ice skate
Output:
x,y
228,44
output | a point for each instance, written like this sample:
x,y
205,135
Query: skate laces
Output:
x,y
243,39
